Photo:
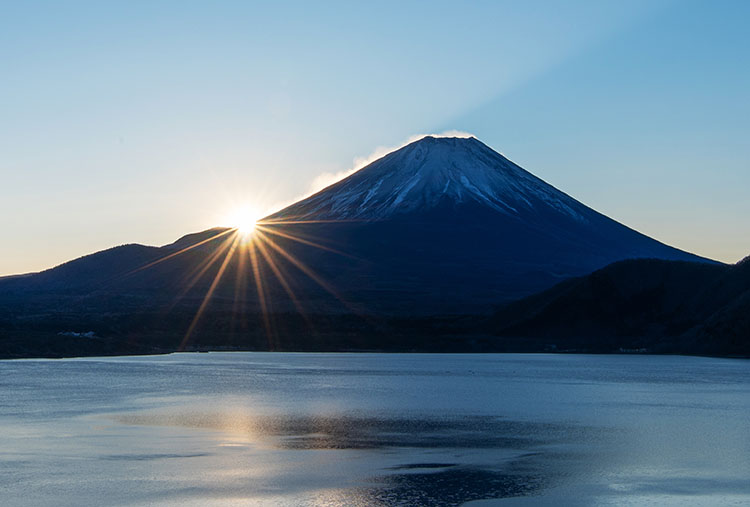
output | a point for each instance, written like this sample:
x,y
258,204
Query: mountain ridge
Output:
x,y
643,304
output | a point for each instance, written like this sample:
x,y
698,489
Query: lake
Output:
x,y
375,429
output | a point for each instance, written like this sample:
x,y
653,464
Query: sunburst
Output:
x,y
253,252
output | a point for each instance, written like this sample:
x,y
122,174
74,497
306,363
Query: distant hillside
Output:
x,y
647,305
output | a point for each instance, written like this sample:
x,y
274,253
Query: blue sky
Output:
x,y
141,121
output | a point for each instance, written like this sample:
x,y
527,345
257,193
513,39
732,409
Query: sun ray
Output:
x,y
239,303
285,221
209,293
261,293
309,272
282,279
197,273
300,240
181,251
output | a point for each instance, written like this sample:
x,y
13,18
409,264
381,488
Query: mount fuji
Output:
x,y
450,225
442,228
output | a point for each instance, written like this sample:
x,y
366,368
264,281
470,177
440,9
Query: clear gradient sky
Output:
x,y
141,121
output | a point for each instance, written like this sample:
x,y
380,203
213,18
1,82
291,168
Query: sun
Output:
x,y
244,219
246,227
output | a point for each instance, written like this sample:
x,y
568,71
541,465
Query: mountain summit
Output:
x,y
431,172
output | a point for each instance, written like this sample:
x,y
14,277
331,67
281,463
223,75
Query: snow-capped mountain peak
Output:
x,y
429,172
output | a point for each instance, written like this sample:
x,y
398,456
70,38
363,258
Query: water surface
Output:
x,y
375,429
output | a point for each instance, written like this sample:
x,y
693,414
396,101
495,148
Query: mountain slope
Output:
x,y
447,221
646,304
120,265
